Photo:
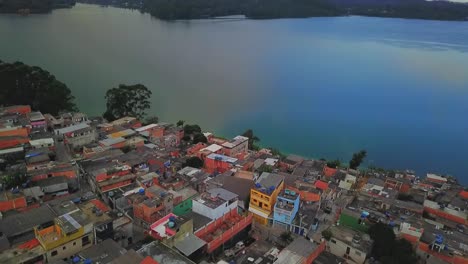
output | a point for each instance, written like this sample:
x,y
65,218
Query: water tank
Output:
x,y
141,191
76,259
171,224
172,218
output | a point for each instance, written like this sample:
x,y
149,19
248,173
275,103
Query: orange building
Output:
x,y
12,141
14,131
216,163
17,109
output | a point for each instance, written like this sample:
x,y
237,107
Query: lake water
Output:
x,y
319,87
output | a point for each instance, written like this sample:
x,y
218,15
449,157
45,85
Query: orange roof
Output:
x,y
321,185
30,244
149,260
100,205
464,194
305,195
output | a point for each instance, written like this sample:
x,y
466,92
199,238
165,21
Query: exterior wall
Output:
x,y
212,166
453,259
183,229
16,131
329,171
10,143
339,248
237,150
82,139
183,208
216,213
71,248
13,204
264,203
286,216
447,213
316,253
410,233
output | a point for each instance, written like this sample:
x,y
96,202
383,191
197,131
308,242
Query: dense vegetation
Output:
x,y
127,100
421,9
388,249
192,9
31,85
33,6
259,9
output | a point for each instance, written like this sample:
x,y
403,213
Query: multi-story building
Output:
x,y
349,244
67,235
215,203
236,147
286,207
37,120
263,196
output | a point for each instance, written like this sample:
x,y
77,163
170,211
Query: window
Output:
x,y
74,243
333,241
64,248
85,241
54,253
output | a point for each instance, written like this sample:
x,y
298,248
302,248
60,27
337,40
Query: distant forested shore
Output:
x,y
33,6
269,9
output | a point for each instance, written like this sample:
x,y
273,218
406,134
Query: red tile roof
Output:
x,y
100,205
321,185
149,260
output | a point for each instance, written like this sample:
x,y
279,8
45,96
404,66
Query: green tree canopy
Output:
x,y
194,162
388,249
252,138
199,137
31,85
180,123
127,100
191,129
151,120
334,164
357,159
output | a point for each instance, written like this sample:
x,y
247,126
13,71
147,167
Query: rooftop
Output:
x,y
328,258
267,180
189,244
36,116
104,252
235,141
162,254
221,158
297,251
353,238
212,148
71,128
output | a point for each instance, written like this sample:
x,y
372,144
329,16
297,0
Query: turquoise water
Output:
x,y
320,87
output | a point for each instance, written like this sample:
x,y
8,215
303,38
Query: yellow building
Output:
x,y
263,196
67,235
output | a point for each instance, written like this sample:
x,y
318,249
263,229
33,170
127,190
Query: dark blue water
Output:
x,y
319,87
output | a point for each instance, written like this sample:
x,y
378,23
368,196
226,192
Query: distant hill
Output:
x,y
262,9
33,6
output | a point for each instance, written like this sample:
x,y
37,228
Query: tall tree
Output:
x,y
127,100
252,138
388,249
357,159
194,162
199,137
191,129
31,85
180,123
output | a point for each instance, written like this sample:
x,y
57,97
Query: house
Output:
x,y
183,200
152,206
291,161
151,131
240,183
434,178
300,251
286,207
42,143
237,147
171,228
67,235
263,196
16,109
77,135
223,229
215,203
349,244
12,131
37,120
116,143
400,184
54,185
326,258
105,252
126,122
7,142
217,163
448,211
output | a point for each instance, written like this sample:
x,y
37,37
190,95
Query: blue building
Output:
x,y
286,207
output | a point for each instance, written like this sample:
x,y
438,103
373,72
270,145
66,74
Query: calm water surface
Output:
x,y
320,87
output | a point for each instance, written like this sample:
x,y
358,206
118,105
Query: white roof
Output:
x,y
436,177
71,128
41,141
207,134
144,128
212,148
11,150
271,162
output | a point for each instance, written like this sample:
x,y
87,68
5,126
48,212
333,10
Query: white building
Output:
x,y
215,203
